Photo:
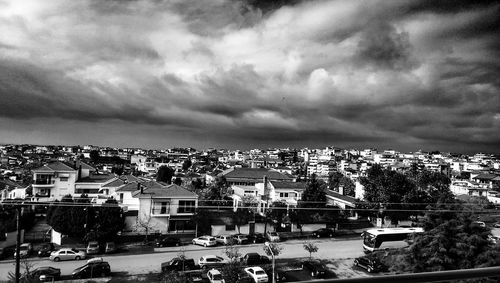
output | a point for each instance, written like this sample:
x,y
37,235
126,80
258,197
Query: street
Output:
x,y
145,263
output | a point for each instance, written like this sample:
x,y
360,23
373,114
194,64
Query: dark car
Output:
x,y
323,232
45,273
256,238
254,259
92,270
194,276
168,242
45,249
177,264
316,268
370,264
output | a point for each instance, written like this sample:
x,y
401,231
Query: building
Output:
x,y
169,209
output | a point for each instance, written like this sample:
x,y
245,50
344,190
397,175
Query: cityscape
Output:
x,y
222,206
233,141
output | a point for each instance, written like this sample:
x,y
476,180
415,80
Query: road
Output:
x,y
145,263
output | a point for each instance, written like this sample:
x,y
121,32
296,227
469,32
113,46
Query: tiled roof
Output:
x,y
485,176
289,185
53,167
330,193
255,173
170,191
129,187
115,183
96,178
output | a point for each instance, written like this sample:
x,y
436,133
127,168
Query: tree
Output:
x,y
108,220
61,218
450,241
310,247
277,213
201,218
165,174
274,247
232,268
314,195
94,156
186,164
144,224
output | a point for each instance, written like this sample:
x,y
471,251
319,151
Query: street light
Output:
x,y
268,245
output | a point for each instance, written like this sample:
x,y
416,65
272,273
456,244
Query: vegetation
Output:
x,y
165,174
337,180
311,248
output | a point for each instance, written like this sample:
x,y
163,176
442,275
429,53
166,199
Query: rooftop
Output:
x,y
170,191
255,173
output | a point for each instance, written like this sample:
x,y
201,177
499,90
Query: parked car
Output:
x,y
206,241
177,264
67,254
194,276
110,248
257,273
6,252
370,264
225,239
244,277
44,273
168,242
93,248
45,249
316,268
95,259
479,223
92,270
210,261
323,232
254,259
214,276
256,238
240,239
25,250
273,236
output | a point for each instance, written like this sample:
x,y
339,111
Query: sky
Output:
x,y
241,74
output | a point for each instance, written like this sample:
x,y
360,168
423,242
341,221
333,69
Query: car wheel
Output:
x,y
302,266
312,274
194,243
369,269
331,235
57,259
205,245
103,274
317,236
176,244
77,257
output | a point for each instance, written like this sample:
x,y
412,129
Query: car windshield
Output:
x,y
217,277
259,272
211,239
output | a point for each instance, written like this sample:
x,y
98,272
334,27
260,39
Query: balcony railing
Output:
x,y
43,182
160,211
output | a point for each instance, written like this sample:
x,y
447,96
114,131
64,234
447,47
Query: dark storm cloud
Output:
x,y
405,73
383,46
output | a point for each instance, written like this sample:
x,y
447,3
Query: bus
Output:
x,y
388,238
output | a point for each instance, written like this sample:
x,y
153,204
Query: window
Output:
x,y
63,179
283,195
186,206
164,208
230,227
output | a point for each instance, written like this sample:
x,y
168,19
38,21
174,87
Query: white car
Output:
x,y
257,273
214,276
273,236
67,254
206,241
209,261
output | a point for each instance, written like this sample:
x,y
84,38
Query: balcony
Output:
x,y
160,212
43,183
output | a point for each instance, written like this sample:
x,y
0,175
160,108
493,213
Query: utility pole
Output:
x,y
18,242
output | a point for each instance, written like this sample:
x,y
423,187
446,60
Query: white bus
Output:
x,y
388,238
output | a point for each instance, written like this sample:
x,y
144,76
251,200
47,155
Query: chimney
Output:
x,y
266,189
79,172
139,187
341,190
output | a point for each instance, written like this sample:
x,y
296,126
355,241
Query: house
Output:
x,y
11,190
252,176
346,203
289,192
167,209
465,187
56,179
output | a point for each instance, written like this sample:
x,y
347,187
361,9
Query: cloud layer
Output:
x,y
404,74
